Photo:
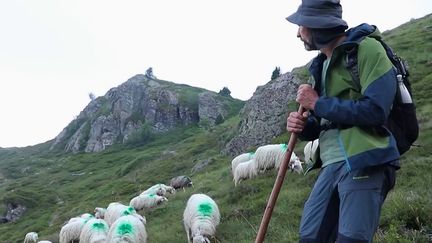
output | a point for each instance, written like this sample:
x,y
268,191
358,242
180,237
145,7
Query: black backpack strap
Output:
x,y
351,63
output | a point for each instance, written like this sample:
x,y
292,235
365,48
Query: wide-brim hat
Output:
x,y
319,14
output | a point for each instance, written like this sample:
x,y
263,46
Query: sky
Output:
x,y
53,53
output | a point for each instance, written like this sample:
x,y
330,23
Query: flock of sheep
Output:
x,y
122,223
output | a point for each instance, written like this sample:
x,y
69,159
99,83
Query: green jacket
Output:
x,y
359,115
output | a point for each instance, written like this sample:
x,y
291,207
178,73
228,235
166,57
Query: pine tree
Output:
x,y
225,92
276,73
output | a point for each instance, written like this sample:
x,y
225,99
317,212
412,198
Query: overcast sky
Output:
x,y
54,52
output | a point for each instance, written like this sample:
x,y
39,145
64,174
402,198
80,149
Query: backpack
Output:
x,y
402,121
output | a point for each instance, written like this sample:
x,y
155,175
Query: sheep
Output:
x,y
99,212
295,164
44,241
159,189
128,228
72,229
146,201
181,182
239,159
310,151
267,155
245,170
94,231
31,237
200,218
271,156
115,210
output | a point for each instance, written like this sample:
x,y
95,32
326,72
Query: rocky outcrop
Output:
x,y
211,109
14,211
138,104
263,117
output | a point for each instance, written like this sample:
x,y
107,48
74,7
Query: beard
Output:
x,y
308,45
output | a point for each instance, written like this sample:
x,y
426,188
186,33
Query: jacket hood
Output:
x,y
358,33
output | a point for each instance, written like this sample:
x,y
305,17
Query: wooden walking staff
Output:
x,y
277,186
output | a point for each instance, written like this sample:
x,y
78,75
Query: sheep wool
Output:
x,y
115,210
200,218
31,237
94,231
239,159
244,171
267,156
311,153
127,228
181,182
147,201
72,229
44,241
159,189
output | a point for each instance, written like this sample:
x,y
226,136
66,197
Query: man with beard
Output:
x,y
358,156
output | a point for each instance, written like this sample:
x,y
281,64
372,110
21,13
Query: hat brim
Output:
x,y
316,22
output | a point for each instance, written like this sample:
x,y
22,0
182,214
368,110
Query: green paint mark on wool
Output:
x,y
251,154
205,209
124,228
284,146
129,211
151,195
99,226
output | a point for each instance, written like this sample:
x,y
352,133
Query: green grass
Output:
x,y
57,186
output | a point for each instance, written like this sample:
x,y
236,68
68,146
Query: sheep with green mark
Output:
x,y
245,170
200,218
115,210
72,229
159,189
94,231
270,156
147,201
128,228
31,237
240,159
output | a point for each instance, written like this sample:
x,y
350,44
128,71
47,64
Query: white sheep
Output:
x,y
31,237
146,201
241,158
200,218
295,164
94,231
310,152
267,156
128,228
115,210
99,212
271,156
44,241
159,189
72,229
245,170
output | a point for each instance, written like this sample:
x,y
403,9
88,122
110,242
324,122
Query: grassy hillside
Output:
x,y
56,187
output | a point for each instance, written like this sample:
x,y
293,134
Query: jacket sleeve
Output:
x,y
378,88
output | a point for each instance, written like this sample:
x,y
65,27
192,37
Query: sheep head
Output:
x,y
161,200
200,239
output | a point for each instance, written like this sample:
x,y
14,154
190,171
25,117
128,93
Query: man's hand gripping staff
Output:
x,y
307,98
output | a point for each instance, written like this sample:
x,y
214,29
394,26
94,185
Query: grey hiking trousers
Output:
x,y
345,206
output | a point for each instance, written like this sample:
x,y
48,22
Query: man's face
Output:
x,y
305,35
